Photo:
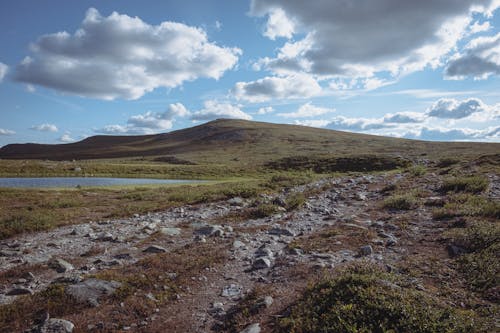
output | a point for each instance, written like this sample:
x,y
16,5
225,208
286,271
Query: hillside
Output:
x,y
242,141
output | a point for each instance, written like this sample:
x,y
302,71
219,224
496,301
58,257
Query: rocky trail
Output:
x,y
272,254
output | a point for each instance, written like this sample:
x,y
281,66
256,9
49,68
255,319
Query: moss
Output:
x,y
368,300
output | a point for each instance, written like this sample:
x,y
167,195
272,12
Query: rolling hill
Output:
x,y
242,142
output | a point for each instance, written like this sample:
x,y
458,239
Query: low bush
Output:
x,y
472,184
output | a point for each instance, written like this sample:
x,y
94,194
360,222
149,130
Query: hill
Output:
x,y
242,142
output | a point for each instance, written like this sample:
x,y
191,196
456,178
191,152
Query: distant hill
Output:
x,y
239,141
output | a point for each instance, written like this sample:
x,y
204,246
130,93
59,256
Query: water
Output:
x,y
82,181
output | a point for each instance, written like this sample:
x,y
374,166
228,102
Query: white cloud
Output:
x,y
453,109
312,122
123,57
265,110
6,132
477,27
307,111
480,59
287,87
213,109
66,138
278,25
149,122
404,117
3,70
45,128
351,40
459,134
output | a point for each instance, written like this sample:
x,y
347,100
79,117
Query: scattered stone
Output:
x,y
105,237
19,291
238,244
366,250
8,253
236,201
261,263
231,290
360,196
60,265
296,252
200,239
263,251
91,290
155,249
253,328
170,231
281,232
123,256
265,302
210,231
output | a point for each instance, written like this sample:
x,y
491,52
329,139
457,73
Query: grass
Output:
x,y
400,202
366,299
466,204
470,184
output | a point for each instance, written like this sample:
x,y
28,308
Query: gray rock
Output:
x,y
238,244
263,251
105,237
91,290
455,251
261,263
236,201
265,302
54,325
60,265
253,328
281,232
155,249
170,231
366,250
19,291
361,196
231,290
210,231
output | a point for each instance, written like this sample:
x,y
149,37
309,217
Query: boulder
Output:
x,y
210,231
261,263
170,231
91,290
366,250
19,291
253,328
60,265
281,232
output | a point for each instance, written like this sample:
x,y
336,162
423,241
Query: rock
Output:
x,y
366,250
238,244
296,252
253,328
360,196
105,237
236,201
60,265
263,251
8,253
91,290
435,202
155,249
279,202
170,231
54,325
200,239
281,232
455,251
231,290
210,231
265,302
261,263
19,291
123,256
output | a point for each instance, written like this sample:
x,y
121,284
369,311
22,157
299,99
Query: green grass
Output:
x,y
400,202
364,299
471,184
466,204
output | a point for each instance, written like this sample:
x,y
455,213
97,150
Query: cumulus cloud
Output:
x,y
45,128
278,25
287,87
480,59
312,122
149,122
3,70
6,132
477,27
66,138
265,110
306,111
404,117
347,40
123,57
459,134
213,109
453,109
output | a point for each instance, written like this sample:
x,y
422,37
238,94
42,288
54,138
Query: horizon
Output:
x,y
69,71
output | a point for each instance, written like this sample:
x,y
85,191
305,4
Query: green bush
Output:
x,y
400,202
472,184
367,300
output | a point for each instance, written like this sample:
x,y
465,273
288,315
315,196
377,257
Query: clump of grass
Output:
x,y
401,202
417,170
447,162
263,210
480,266
365,299
26,221
471,184
468,205
295,201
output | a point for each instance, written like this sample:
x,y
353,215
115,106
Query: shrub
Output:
x,y
400,202
368,300
472,184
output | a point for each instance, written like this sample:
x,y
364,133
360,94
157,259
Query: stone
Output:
x,y
265,302
236,201
263,251
281,232
170,231
105,237
155,249
238,244
231,290
279,202
54,325
360,196
253,328
60,265
91,290
455,251
366,250
210,231
261,263
19,291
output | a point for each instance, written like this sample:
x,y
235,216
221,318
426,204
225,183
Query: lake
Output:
x,y
82,181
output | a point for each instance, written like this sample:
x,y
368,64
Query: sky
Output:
x,y
414,69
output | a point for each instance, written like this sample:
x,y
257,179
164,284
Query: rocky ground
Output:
x,y
263,263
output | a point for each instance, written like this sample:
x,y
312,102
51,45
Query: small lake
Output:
x,y
45,182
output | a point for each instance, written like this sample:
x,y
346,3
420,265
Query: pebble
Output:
x,y
155,249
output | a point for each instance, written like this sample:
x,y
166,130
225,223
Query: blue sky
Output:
x,y
416,69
